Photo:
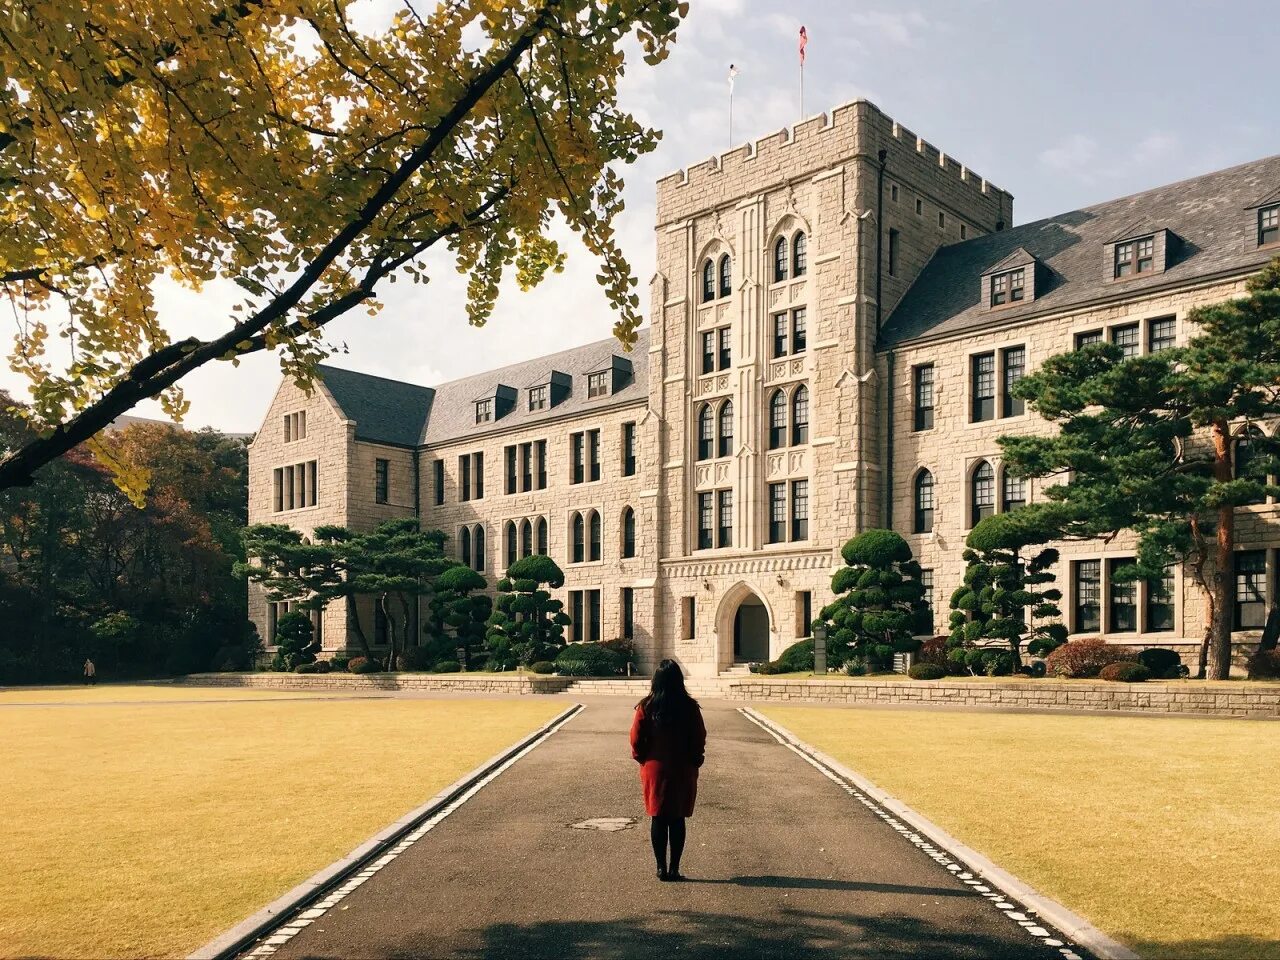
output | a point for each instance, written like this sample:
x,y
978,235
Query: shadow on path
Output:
x,y
818,883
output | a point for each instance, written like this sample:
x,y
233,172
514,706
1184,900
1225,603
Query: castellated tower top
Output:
x,y
853,131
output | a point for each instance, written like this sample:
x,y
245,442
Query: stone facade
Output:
x,y
771,400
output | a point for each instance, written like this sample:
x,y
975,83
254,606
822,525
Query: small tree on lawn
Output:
x,y
459,612
1006,597
527,624
295,640
878,597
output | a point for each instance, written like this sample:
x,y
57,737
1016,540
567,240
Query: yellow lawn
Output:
x,y
144,829
1163,832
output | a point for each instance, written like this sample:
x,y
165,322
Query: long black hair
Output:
x,y
668,700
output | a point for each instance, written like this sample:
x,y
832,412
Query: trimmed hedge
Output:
x,y
1085,658
926,671
1161,662
447,666
543,666
1124,672
797,658
363,665
589,660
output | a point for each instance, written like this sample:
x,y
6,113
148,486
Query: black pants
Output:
x,y
662,830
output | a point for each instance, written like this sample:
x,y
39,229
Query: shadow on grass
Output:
x,y
1221,948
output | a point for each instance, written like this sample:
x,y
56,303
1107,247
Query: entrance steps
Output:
x,y
639,687
736,672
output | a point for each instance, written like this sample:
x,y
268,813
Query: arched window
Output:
x,y
595,535
780,260
509,532
726,429
464,545
778,420
708,281
799,255
542,536
1246,452
628,532
526,539
479,547
800,416
706,432
983,500
579,539
924,502
726,276
1013,491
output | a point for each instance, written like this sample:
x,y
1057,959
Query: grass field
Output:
x,y
143,829
1163,832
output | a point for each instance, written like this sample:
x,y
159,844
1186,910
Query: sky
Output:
x,y
1063,104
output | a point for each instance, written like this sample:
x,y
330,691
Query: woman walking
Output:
x,y
668,740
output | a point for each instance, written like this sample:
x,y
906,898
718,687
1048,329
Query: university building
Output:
x,y
838,315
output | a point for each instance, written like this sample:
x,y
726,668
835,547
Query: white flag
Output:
x,y
733,72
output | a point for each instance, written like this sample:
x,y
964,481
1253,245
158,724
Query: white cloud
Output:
x,y
1071,155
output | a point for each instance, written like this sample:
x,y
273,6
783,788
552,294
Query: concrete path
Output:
x,y
782,863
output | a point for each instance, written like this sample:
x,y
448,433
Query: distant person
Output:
x,y
668,740
90,671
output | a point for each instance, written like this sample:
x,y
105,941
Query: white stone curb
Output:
x,y
1073,925
233,941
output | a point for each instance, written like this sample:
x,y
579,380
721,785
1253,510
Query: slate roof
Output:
x,y
384,410
1209,215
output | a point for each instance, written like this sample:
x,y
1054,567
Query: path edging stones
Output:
x,y
231,942
1069,922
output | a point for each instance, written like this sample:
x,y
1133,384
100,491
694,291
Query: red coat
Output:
x,y
669,759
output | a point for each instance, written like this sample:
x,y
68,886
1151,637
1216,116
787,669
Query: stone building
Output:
x,y
837,314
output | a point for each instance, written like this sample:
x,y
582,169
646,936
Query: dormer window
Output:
x,y
598,384
1008,287
484,411
1135,256
1269,225
494,406
538,397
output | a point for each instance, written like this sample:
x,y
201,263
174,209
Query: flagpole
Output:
x,y
731,116
801,89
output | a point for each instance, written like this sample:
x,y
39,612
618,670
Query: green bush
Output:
x,y
1123,671
926,671
1085,658
414,658
322,666
363,665
543,666
447,666
1161,662
339,663
1265,665
589,660
306,668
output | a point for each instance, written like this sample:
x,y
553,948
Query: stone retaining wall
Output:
x,y
518,684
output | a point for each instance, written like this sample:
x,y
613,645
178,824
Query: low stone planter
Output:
x,y
518,684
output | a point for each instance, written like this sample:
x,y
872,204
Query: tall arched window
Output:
x,y
579,539
924,502
780,260
1246,452
464,545
708,281
983,500
726,276
726,429
595,535
799,255
628,532
526,539
542,536
778,420
800,416
479,547
509,533
706,432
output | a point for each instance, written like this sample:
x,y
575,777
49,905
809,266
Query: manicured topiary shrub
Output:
x,y
543,666
589,660
1162,662
339,663
527,623
355,663
323,666
926,671
447,666
306,668
1085,658
364,665
1125,672
1265,665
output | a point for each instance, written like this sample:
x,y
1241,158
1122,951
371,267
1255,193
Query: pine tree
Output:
x,y
296,641
527,624
458,614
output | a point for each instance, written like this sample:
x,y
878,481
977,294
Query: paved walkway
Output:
x,y
782,862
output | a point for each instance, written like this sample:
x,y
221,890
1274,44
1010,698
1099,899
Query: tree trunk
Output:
x,y
1223,561
353,620
391,632
1197,574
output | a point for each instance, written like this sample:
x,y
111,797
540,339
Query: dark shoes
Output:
x,y
670,876
663,875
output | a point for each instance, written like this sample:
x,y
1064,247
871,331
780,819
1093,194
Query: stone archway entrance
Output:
x,y
751,631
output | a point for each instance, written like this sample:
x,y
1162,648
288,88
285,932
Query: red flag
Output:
x,y
804,39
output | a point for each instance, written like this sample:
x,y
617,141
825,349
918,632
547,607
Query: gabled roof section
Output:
x,y
384,410
1139,228
1019,258
1268,200
1205,212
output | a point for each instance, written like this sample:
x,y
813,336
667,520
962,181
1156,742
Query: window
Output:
x,y
726,276
1246,452
477,470
709,351
1014,361
799,329
628,608
628,532
1269,225
526,539
893,192
1161,334
799,255
1088,337
708,282
464,477
800,510
964,232
509,456
526,467
509,531
1251,589
725,439
983,386
596,536
688,616
579,539
780,335
584,606
464,545
724,515
942,220
777,512
1087,586
542,464
381,480
542,536
804,613
777,420
919,207
1122,601
538,398
706,432
922,390
1008,287
478,547
295,426
593,454
780,260
577,458
924,614
628,449
800,416
924,502
894,237
598,384
439,482
484,411
706,521
1135,256
1160,602
1127,338
983,500
577,611
726,352
295,486
1013,491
